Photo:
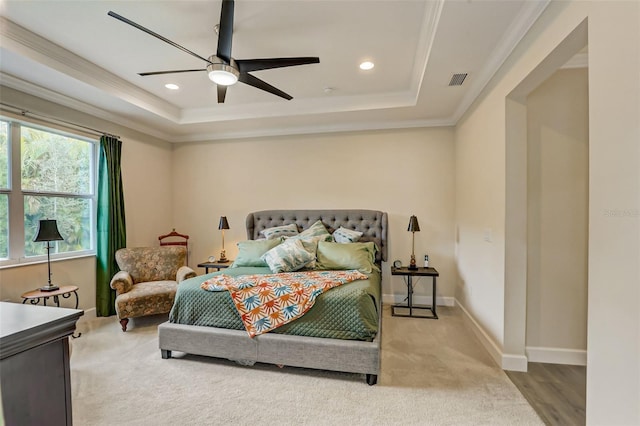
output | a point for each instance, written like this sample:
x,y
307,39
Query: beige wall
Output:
x,y
402,172
147,177
558,186
613,371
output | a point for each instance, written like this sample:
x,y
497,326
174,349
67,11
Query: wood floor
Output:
x,y
556,392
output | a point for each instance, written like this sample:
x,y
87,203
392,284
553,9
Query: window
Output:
x,y
55,180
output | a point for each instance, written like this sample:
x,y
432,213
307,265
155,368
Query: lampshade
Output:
x,y
48,231
413,224
223,223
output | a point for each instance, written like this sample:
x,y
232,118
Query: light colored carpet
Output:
x,y
434,372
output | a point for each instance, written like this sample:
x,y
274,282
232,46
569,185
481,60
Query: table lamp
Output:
x,y
222,226
47,232
413,228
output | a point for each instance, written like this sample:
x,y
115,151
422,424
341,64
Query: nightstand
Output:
x,y
415,310
217,265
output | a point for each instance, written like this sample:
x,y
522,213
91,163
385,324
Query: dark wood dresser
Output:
x,y
34,363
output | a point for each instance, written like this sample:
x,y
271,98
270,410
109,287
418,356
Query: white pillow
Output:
x,y
344,235
288,256
280,231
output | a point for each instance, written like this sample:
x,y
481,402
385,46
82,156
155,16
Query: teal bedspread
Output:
x,y
345,312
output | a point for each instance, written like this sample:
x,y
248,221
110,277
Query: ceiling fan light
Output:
x,y
223,78
221,73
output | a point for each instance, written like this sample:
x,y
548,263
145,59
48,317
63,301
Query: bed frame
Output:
x,y
299,351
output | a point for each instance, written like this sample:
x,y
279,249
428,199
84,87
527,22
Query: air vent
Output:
x,y
457,79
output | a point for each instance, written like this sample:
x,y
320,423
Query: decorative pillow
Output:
x,y
251,251
315,230
280,231
288,256
338,256
310,244
344,235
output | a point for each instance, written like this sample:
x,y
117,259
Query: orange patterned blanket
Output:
x,y
266,302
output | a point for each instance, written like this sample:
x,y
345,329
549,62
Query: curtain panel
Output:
x,y
111,232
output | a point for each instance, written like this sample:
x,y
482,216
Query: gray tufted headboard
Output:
x,y
371,222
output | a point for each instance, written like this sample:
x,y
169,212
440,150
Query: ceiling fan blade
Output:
x,y
248,65
225,31
222,93
144,74
156,35
262,85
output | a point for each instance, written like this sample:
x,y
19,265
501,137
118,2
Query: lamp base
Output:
x,y
223,257
412,263
49,288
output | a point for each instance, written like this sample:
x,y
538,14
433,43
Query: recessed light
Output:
x,y
366,65
172,86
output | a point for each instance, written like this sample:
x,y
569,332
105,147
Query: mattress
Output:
x,y
347,312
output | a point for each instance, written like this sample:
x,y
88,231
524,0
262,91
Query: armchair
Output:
x,y
148,280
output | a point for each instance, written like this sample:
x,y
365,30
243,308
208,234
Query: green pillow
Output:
x,y
251,251
345,256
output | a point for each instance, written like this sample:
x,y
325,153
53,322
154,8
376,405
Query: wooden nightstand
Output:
x,y
414,310
217,265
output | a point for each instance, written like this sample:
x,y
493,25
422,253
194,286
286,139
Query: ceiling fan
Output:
x,y
221,67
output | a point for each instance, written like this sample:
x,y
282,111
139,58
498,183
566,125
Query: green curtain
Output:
x,y
112,233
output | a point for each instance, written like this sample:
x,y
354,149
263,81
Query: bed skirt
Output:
x,y
351,356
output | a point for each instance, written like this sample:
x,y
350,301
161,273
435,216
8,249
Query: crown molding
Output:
x,y
57,98
22,41
317,129
530,12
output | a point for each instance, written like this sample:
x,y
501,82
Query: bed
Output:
x,y
299,343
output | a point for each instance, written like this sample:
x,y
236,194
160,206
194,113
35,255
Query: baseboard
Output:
x,y
484,338
512,362
556,355
392,299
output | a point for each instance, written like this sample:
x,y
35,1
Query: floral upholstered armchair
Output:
x,y
148,280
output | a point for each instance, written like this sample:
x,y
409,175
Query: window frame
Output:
x,y
16,196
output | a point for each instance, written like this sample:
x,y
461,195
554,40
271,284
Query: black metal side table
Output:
x,y
65,291
217,265
416,310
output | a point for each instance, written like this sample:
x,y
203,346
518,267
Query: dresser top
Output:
x,y
24,326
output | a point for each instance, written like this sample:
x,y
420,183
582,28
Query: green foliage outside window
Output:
x,y
62,165
73,217
55,163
